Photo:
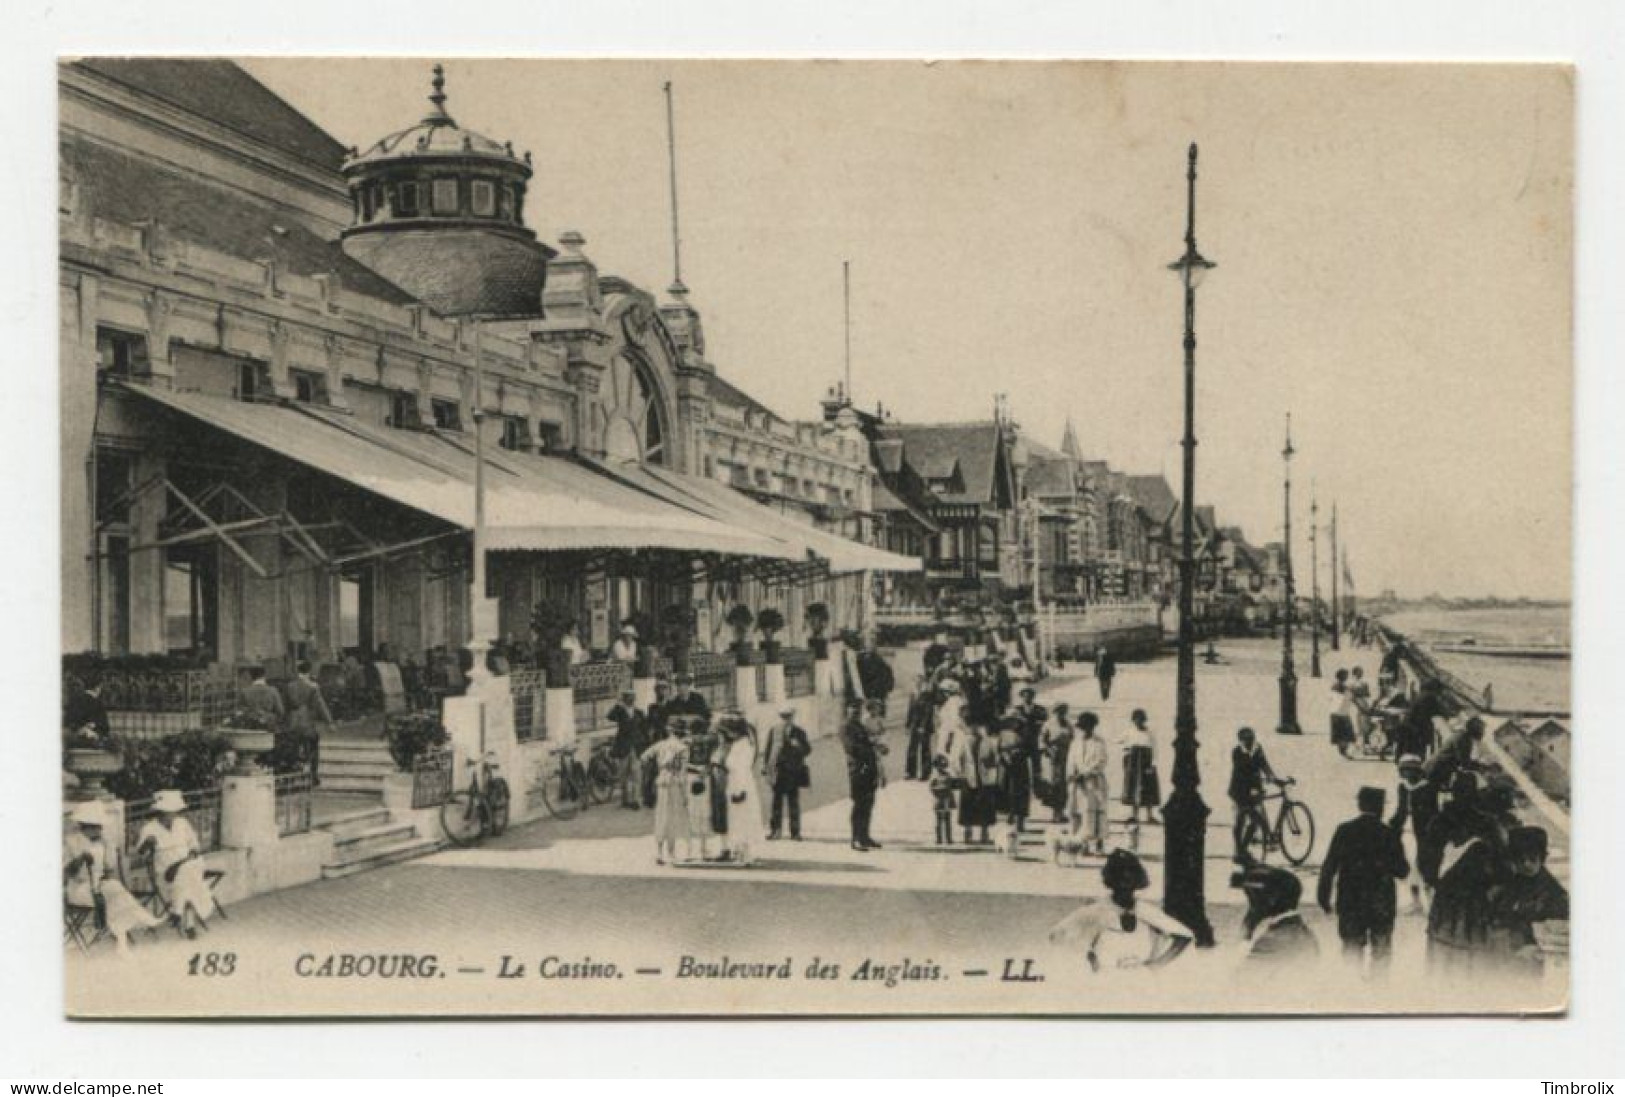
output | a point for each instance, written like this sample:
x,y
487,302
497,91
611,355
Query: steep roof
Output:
x,y
726,392
1069,441
126,189
225,93
1051,477
459,273
937,449
1153,495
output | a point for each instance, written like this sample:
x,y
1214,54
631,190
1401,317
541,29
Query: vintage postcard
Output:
x,y
663,538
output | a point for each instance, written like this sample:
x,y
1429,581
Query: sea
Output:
x,y
1528,685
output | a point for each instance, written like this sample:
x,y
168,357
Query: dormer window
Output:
x,y
444,196
403,409
505,193
406,200
483,198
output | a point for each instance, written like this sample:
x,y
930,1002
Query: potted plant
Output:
x,y
768,623
90,758
677,624
251,736
740,619
550,621
817,625
412,736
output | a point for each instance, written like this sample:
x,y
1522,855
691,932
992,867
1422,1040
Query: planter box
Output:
x,y
85,762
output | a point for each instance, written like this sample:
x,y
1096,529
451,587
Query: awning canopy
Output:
x,y
735,509
532,502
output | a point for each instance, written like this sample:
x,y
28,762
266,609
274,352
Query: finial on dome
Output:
x,y
438,96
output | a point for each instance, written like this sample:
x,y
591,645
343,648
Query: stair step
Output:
x,y
357,751
356,765
360,819
393,853
352,843
352,783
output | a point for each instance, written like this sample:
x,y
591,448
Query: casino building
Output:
x,y
275,354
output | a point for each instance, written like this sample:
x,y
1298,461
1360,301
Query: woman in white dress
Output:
x,y
1087,784
746,832
92,877
670,758
177,862
1117,933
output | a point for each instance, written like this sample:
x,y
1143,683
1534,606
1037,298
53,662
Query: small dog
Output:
x,y
1067,849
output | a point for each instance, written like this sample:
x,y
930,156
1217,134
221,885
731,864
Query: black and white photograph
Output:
x,y
697,537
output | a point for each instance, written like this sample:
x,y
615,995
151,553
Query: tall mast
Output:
x,y
846,307
671,164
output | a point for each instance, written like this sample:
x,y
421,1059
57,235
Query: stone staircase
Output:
x,y
354,765
370,838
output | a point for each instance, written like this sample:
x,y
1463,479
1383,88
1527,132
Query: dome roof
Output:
x,y
437,136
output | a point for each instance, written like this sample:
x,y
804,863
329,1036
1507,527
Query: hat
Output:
x,y
1124,872
950,685
89,814
629,629
1276,890
1371,798
1526,842
1028,691
1137,715
169,800
787,710
1409,761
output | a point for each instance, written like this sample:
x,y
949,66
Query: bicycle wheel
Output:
x,y
602,777
497,797
463,819
559,795
1297,832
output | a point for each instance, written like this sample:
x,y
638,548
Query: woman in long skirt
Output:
x,y
1055,743
177,862
700,777
1015,775
92,877
746,832
670,759
1141,789
1086,780
977,767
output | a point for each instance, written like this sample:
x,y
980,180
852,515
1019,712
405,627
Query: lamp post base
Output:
x,y
1184,821
1289,706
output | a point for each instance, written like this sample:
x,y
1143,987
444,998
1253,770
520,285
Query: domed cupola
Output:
x,y
439,211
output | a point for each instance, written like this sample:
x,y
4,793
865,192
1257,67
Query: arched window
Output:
x,y
634,429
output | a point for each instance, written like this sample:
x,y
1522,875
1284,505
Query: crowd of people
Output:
x,y
989,761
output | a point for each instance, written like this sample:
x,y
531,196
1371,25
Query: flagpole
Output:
x,y
1337,613
671,168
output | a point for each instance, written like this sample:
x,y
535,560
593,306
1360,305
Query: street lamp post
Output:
x,y
1289,672
1314,586
1185,815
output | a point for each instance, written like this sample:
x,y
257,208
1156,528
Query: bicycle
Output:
x,y
568,789
1292,832
603,772
479,811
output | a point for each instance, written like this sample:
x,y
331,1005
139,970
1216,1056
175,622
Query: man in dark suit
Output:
x,y
689,701
1033,717
1105,671
262,700
306,709
631,736
1364,862
862,773
784,764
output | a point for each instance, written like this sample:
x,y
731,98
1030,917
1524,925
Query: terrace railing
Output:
x,y
149,704
596,687
293,803
202,810
431,779
529,689
798,672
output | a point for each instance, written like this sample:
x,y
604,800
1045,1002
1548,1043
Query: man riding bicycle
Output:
x,y
1249,769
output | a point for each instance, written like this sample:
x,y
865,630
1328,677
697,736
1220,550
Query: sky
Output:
x,y
1393,246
